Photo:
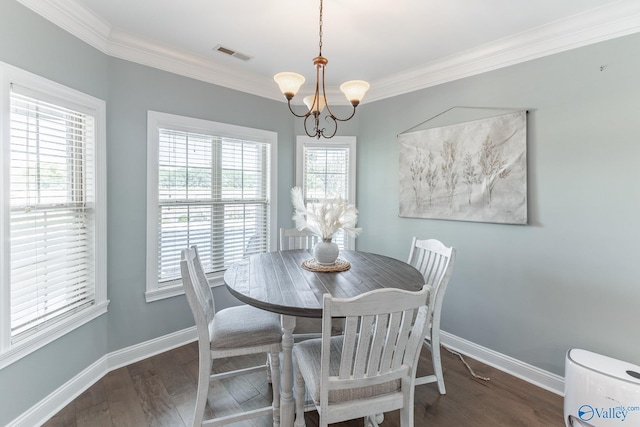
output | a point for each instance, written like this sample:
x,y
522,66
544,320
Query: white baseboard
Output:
x,y
52,404
138,352
534,375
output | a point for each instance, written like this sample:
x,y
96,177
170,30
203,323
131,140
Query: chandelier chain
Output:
x,y
320,44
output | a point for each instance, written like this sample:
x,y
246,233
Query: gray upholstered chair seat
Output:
x,y
244,326
307,354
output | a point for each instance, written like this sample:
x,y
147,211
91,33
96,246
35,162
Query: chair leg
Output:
x,y
268,369
204,372
406,412
406,416
373,420
437,362
300,392
274,364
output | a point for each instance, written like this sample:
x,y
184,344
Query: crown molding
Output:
x,y
153,54
615,20
75,19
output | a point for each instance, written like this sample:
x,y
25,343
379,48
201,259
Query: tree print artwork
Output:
x,y
473,171
469,175
418,178
449,170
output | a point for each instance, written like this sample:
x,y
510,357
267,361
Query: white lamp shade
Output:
x,y
308,100
289,83
354,90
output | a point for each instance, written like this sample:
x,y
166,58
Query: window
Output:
x,y
53,212
210,185
328,169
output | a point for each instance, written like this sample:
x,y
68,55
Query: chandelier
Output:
x,y
290,83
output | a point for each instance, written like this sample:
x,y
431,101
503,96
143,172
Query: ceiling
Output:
x,y
398,46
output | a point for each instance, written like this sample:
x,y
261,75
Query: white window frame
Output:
x,y
348,142
157,120
58,94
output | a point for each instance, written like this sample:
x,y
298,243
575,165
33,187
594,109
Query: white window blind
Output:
x,y
327,170
52,213
326,173
213,192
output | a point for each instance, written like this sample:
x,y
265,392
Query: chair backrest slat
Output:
x,y
387,354
406,318
348,347
364,346
379,338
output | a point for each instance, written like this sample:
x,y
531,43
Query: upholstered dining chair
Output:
x,y
292,238
370,369
435,262
233,331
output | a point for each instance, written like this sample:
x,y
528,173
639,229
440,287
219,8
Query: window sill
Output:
x,y
48,335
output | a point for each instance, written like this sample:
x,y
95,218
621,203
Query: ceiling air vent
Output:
x,y
232,52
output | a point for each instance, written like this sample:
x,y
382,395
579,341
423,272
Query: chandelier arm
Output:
x,y
294,113
335,127
326,105
324,95
316,132
316,94
353,113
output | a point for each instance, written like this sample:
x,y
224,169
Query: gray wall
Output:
x,y
569,278
531,292
133,90
32,43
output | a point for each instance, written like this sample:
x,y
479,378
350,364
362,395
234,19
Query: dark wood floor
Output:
x,y
160,391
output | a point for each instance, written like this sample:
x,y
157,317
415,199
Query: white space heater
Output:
x,y
600,391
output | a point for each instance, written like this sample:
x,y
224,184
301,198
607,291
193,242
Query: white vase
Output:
x,y
325,252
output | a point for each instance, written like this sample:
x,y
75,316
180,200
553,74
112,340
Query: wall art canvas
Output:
x,y
473,171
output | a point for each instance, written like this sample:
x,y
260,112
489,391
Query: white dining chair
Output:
x,y
234,331
435,261
370,369
292,238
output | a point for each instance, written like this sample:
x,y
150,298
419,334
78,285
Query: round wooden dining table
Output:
x,y
277,282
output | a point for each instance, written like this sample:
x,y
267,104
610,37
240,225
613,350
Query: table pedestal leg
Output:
x,y
287,406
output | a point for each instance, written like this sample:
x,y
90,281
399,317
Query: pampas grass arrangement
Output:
x,y
325,219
